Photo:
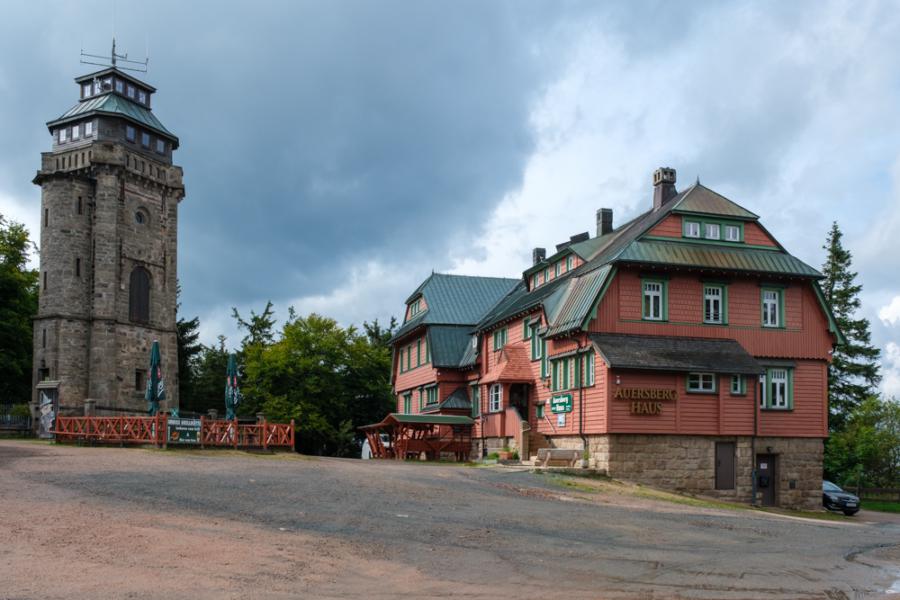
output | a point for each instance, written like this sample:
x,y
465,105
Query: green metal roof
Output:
x,y
113,104
700,199
458,400
578,300
456,300
711,256
448,344
436,419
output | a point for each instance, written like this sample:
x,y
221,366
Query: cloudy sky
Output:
x,y
335,153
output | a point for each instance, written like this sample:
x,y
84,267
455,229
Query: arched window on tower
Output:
x,y
139,296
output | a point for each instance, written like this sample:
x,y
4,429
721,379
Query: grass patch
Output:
x,y
881,505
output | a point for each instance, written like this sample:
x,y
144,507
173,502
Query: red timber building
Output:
x,y
685,349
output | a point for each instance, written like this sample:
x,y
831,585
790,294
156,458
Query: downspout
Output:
x,y
584,442
753,442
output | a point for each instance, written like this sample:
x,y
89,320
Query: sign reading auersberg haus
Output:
x,y
685,349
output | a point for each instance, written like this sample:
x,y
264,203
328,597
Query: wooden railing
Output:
x,y
154,430
888,494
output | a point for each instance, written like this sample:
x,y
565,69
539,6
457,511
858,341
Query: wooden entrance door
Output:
x,y
724,465
767,478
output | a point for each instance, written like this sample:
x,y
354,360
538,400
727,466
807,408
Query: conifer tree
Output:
x,y
854,371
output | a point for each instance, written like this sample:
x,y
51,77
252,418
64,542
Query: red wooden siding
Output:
x,y
805,336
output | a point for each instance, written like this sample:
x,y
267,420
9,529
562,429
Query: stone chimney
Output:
x,y
604,221
663,186
538,255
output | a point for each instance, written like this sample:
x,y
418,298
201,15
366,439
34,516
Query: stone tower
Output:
x,y
108,254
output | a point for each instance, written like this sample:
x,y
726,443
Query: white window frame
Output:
x,y
76,132
557,268
713,295
771,308
63,135
778,383
701,383
536,346
86,90
652,290
88,129
692,229
589,369
495,398
763,397
732,229
712,231
570,262
737,385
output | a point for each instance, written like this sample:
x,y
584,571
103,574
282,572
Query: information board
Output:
x,y
561,404
184,431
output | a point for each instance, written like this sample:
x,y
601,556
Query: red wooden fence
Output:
x,y
153,430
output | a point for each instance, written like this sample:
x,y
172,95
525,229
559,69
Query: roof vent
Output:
x,y
604,221
663,186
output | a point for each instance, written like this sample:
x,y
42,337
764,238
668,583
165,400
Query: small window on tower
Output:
x,y
76,132
63,134
140,378
130,91
161,146
77,267
140,217
142,96
89,129
129,133
85,90
145,139
120,87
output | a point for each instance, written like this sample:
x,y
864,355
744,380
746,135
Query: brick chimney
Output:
x,y
663,186
604,221
538,255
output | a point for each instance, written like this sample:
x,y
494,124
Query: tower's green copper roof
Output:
x,y
114,104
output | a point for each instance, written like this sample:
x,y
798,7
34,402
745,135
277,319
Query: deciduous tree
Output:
x,y
18,304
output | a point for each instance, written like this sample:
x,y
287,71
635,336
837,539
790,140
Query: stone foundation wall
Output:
x,y
687,464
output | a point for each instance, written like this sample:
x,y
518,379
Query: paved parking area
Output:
x,y
115,523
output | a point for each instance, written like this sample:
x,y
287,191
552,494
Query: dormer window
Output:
x,y
131,91
142,96
732,233
120,86
415,307
85,90
712,231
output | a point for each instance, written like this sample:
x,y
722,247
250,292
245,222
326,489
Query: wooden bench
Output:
x,y
558,457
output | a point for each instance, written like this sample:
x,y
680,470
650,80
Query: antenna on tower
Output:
x,y
115,60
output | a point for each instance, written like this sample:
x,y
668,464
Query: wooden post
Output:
x,y
265,436
165,430
201,432
236,433
292,435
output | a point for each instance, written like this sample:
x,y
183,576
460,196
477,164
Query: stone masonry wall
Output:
x,y
687,464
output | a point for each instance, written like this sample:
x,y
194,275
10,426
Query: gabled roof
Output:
x,y
681,354
456,300
567,307
512,366
458,400
700,199
114,104
448,344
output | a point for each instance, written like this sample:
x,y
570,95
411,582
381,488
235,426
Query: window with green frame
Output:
x,y
427,351
431,395
539,411
537,344
772,307
546,275
561,374
476,400
534,281
716,230
421,398
654,300
702,383
738,385
588,365
526,328
407,403
545,367
715,304
408,358
570,262
557,268
500,338
418,352
776,389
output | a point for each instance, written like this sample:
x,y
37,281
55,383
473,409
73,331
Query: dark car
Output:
x,y
834,498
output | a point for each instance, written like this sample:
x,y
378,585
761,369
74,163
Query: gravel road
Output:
x,y
131,523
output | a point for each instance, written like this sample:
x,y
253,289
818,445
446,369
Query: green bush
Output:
x,y
493,456
20,410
